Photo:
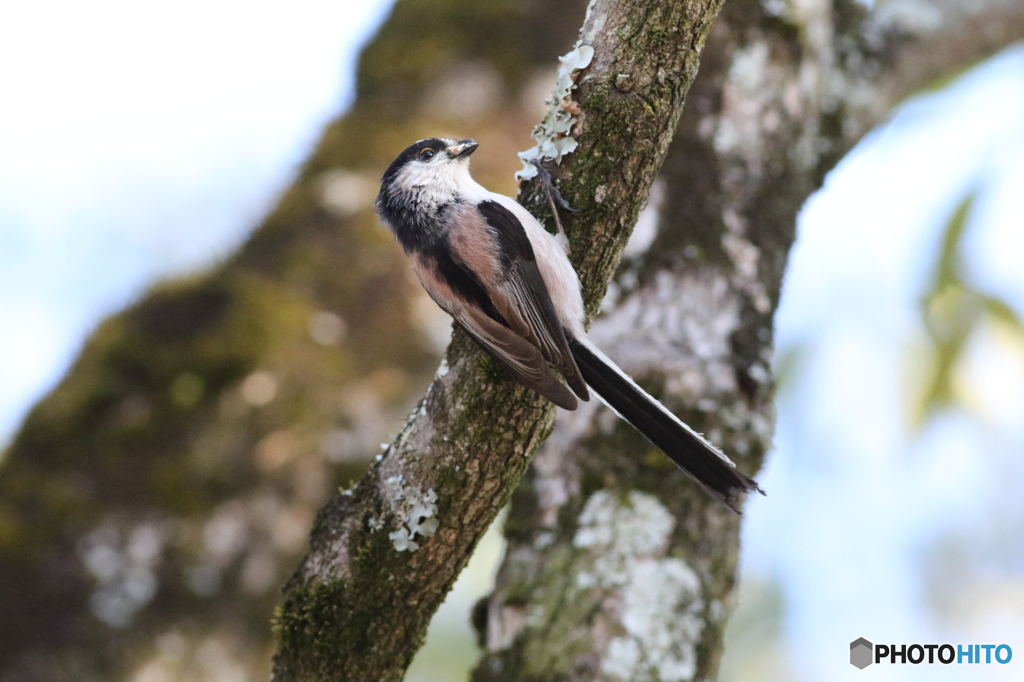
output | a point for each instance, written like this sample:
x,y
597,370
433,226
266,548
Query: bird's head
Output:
x,y
433,170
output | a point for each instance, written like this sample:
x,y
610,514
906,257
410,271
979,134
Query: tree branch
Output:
x,y
919,45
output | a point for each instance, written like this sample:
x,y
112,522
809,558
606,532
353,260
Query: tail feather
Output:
x,y
705,463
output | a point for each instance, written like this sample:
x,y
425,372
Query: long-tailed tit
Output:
x,y
508,282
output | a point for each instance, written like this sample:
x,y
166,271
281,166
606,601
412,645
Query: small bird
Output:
x,y
508,282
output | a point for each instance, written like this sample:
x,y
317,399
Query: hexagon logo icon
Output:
x,y
861,651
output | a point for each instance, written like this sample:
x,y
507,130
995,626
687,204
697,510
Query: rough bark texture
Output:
x,y
358,606
617,567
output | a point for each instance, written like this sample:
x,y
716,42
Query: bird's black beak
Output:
x,y
463,148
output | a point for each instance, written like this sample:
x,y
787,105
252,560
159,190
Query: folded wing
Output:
x,y
459,291
521,296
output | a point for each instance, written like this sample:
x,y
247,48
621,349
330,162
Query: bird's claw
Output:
x,y
551,190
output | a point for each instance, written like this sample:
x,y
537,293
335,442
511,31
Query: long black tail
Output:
x,y
705,463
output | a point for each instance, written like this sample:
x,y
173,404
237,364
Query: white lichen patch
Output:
x,y
687,321
747,70
554,133
622,532
556,484
655,599
593,24
749,94
745,256
415,510
661,614
908,16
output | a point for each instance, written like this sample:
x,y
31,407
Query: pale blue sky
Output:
x,y
862,513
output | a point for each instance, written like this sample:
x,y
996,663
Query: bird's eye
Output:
x,y
427,154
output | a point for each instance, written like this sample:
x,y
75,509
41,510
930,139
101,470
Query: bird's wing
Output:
x,y
458,292
520,356
516,288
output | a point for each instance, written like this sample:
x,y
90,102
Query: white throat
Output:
x,y
437,183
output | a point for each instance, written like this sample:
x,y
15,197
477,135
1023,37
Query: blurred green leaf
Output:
x,y
951,311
